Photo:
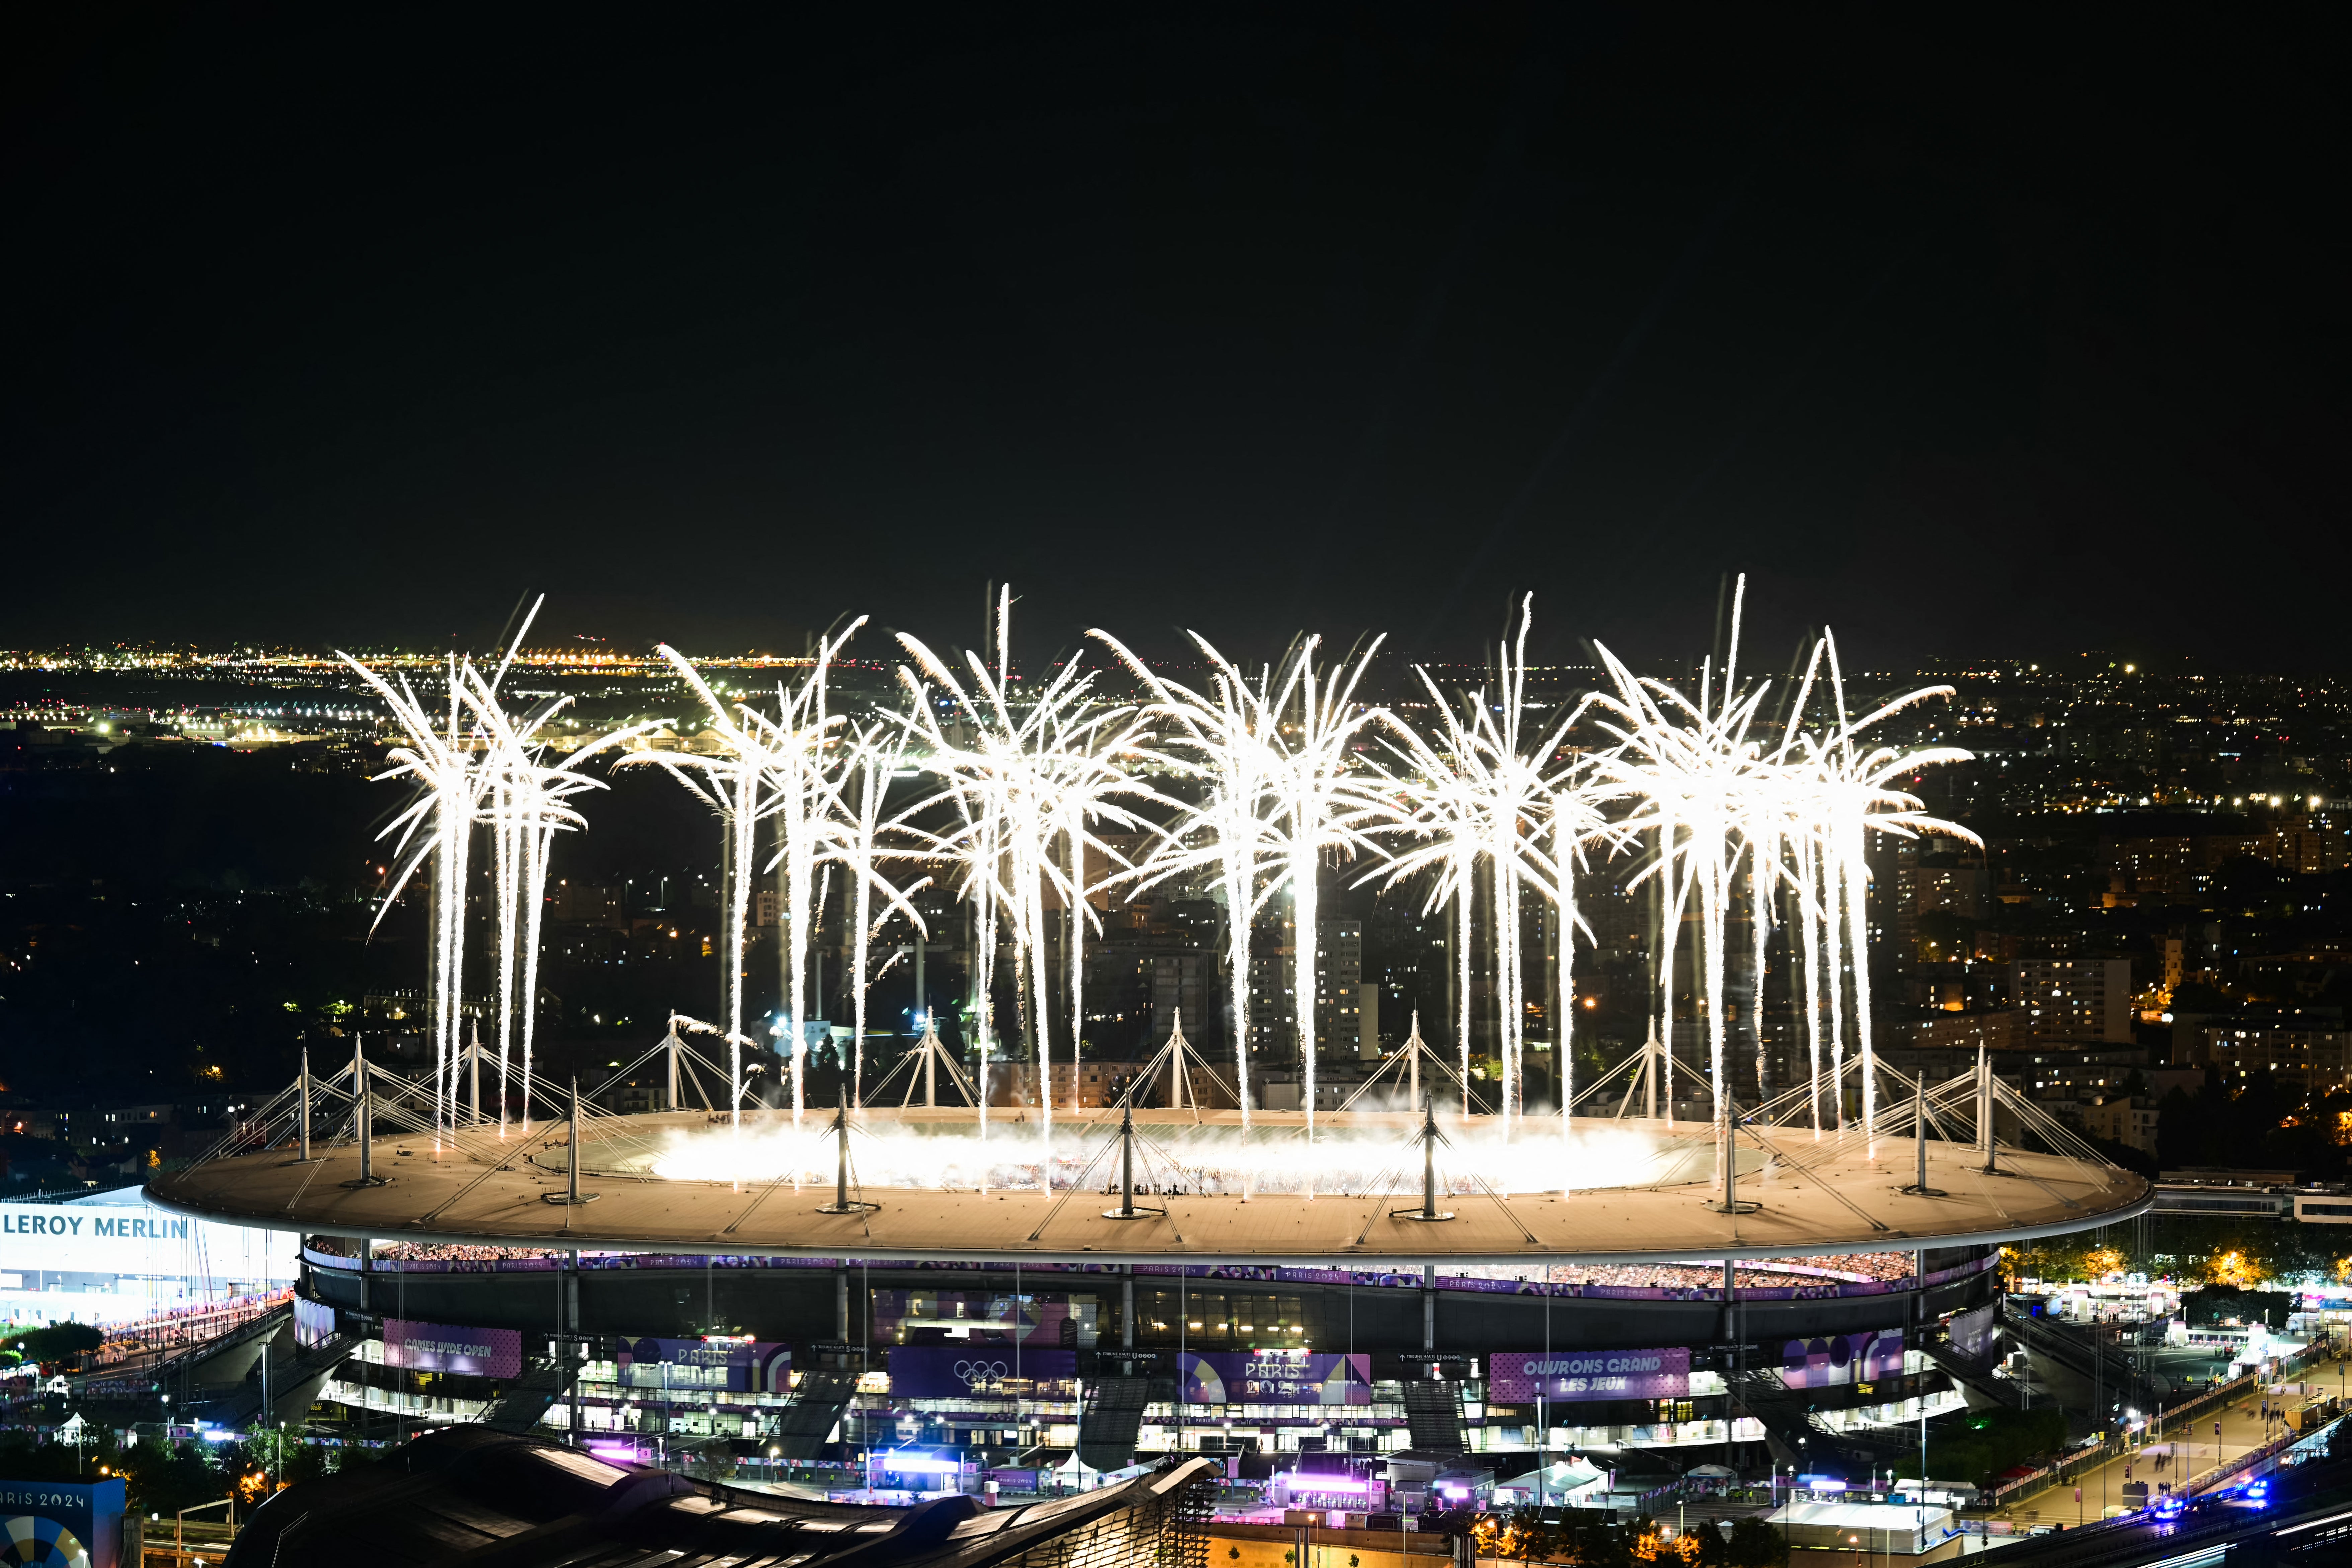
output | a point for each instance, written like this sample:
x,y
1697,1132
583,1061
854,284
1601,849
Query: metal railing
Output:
x,y
2110,1447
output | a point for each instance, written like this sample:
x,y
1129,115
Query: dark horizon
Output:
x,y
341,334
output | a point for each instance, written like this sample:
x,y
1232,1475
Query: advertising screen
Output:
x,y
444,1347
1972,1332
746,1366
1836,1359
1514,1375
62,1522
1273,1377
314,1321
985,1318
950,1372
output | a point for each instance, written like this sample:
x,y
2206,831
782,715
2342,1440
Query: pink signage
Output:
x,y
442,1347
1518,1375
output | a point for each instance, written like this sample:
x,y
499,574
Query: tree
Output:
x,y
56,1342
1992,1441
2125,1156
1583,1538
162,1476
287,1457
31,1457
1756,1544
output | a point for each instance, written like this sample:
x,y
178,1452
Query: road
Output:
x,y
2192,1449
2311,1508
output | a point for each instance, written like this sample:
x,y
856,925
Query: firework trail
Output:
x,y
786,768
1023,769
1481,793
476,762
1278,793
861,848
436,828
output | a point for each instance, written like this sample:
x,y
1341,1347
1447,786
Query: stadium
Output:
x,y
1159,1291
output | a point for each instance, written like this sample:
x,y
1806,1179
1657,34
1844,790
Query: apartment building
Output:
x,y
2075,998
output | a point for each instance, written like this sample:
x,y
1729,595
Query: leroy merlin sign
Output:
x,y
65,1221
101,1238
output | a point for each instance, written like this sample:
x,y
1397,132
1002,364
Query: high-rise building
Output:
x,y
1183,981
1411,960
2075,998
2314,1049
580,903
2125,1119
1339,974
1923,886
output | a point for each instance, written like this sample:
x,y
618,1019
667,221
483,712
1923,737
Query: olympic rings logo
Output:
x,y
976,1373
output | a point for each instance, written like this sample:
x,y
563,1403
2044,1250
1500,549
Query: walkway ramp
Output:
x,y
1433,1414
1111,1421
1982,1390
544,1381
808,1422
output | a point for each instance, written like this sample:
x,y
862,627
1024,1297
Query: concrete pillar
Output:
x,y
574,1351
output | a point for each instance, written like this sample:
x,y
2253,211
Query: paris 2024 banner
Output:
x,y
63,1522
1273,1377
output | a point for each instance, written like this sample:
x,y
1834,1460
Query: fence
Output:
x,y
186,1326
2189,1409
2247,1460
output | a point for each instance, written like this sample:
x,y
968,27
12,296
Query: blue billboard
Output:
x,y
716,1360
62,1525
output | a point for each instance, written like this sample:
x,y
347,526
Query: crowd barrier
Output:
x,y
2186,1410
183,1325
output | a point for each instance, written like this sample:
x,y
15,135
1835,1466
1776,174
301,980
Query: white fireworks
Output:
x,y
1037,791
1025,770
477,763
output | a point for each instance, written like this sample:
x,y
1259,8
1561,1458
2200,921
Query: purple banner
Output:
x,y
1841,1358
1972,1332
441,1347
1273,1377
1517,1375
951,1371
744,1366
314,1322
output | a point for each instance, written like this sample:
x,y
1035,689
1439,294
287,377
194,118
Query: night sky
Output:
x,y
1965,335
